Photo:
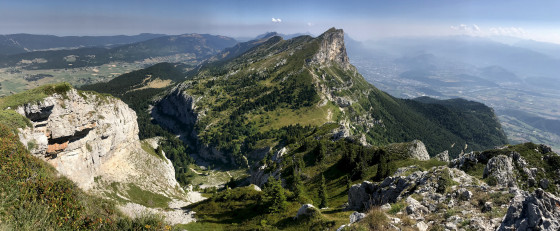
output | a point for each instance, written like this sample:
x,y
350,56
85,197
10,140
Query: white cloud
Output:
x,y
310,24
276,20
508,31
468,29
475,27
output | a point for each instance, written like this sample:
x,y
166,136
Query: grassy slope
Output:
x,y
33,95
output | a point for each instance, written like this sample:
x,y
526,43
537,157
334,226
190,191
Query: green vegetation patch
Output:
x,y
13,119
34,95
397,207
146,198
245,209
150,150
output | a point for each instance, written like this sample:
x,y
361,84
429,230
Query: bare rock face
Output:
x,y
443,156
332,49
260,174
415,150
501,168
363,196
177,111
415,209
532,211
90,139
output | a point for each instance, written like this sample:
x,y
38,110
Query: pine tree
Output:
x,y
300,163
321,151
323,193
348,183
298,188
274,195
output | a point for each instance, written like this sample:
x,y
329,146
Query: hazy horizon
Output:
x,y
362,20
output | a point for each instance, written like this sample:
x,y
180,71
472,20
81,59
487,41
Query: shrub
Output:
x,y
376,219
491,180
397,207
444,181
436,227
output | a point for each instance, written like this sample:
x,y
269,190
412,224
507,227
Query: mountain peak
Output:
x,y
267,35
332,49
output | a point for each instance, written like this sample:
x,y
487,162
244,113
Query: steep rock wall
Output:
x,y
178,112
93,139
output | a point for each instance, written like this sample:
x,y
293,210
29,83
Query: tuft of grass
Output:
x,y
376,220
397,207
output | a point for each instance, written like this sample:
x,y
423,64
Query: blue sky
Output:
x,y
363,20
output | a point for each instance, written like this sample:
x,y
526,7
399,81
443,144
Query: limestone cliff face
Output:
x,y
178,112
332,49
93,139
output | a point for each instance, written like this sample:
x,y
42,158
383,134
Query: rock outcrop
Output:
x,y
260,174
365,195
177,111
93,140
417,150
307,210
501,169
532,211
332,49
414,150
356,216
443,156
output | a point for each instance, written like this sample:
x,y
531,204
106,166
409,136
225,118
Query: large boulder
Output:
x,y
413,150
532,211
356,216
501,168
359,195
417,150
306,210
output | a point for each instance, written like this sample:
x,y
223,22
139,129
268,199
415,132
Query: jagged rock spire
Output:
x,y
332,49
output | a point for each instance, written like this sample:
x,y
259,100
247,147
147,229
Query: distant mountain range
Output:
x,y
187,47
22,43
